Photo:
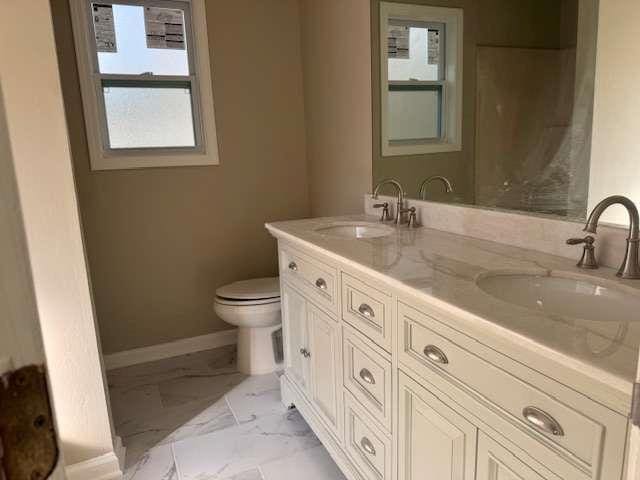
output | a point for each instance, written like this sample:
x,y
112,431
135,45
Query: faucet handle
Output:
x,y
386,216
588,240
413,221
588,260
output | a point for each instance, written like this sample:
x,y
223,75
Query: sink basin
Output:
x,y
355,230
557,294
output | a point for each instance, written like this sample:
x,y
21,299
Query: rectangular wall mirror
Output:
x,y
493,98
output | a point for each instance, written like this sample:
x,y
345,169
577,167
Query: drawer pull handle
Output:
x,y
436,355
321,284
542,421
366,311
293,266
367,376
367,446
305,353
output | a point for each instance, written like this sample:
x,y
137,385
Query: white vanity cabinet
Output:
x,y
313,354
432,437
395,392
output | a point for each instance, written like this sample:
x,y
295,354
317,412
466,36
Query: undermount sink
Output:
x,y
355,230
557,294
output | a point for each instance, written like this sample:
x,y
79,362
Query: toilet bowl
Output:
x,y
254,307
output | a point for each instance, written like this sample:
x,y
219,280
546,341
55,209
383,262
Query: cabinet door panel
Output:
x,y
294,322
497,463
325,347
435,442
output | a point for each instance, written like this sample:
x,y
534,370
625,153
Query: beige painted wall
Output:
x,y
616,126
337,85
160,241
39,142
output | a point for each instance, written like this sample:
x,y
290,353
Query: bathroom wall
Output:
x,y
617,103
159,241
336,56
47,278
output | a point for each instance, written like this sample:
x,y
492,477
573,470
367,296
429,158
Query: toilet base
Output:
x,y
255,351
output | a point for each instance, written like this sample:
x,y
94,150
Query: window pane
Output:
x,y
414,114
146,117
415,53
127,44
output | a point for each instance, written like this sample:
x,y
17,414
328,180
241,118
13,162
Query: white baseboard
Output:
x,y
171,349
104,467
120,450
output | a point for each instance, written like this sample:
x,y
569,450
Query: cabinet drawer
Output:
x,y
565,429
368,310
367,376
368,446
317,279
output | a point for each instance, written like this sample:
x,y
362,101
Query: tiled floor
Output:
x,y
196,418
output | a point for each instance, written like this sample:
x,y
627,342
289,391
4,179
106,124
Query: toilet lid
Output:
x,y
254,289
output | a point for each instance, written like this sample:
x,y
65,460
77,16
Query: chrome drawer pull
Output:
x,y
542,421
367,446
293,266
436,355
367,376
366,310
321,284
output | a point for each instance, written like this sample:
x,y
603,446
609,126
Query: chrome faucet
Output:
x,y
400,192
630,267
423,186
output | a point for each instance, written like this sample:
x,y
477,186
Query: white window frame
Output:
x,y
102,156
451,112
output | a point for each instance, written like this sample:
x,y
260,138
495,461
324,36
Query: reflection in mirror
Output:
x,y
491,99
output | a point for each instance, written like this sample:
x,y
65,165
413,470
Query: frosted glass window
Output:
x,y
424,57
414,115
132,55
149,117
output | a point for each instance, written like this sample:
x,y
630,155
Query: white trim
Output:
x,y
101,160
104,467
120,450
171,349
452,103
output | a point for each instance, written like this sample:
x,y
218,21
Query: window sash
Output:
x,y
423,86
101,80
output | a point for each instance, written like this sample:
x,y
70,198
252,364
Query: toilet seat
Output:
x,y
246,303
256,289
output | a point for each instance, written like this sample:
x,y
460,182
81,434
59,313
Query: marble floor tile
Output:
x,y
219,360
193,387
253,474
131,402
311,464
256,396
156,464
173,424
231,451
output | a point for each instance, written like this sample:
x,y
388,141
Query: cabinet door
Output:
x,y
434,442
497,463
325,347
294,329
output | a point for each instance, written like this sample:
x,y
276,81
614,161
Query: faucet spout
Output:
x,y
448,188
399,191
630,267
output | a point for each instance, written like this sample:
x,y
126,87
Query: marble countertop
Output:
x,y
442,269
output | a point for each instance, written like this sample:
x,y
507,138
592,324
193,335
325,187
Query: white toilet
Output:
x,y
254,306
